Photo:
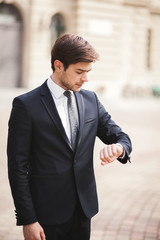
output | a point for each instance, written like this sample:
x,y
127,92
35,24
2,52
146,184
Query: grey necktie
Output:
x,y
72,117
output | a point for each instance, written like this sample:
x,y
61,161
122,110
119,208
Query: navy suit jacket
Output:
x,y
45,174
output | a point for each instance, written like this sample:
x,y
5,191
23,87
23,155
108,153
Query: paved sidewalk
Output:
x,y
129,195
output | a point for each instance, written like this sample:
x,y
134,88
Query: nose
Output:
x,y
84,77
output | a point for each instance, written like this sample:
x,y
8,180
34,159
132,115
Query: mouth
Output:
x,y
79,85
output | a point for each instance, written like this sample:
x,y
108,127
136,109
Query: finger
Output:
x,y
110,158
103,163
106,153
109,151
114,150
43,237
101,155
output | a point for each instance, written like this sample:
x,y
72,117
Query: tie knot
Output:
x,y
67,94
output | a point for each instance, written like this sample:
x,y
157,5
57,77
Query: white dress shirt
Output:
x,y
61,104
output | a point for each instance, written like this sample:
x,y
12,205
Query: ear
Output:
x,y
58,65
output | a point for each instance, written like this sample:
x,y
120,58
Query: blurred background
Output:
x,y
126,34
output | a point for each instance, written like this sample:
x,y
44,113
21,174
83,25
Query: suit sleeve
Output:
x,y
18,150
109,132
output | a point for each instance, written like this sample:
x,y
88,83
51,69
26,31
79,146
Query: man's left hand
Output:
x,y
110,153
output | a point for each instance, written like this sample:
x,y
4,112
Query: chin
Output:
x,y
77,90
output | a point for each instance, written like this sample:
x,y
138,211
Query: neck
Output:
x,y
55,79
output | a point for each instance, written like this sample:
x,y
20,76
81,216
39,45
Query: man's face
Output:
x,y
74,76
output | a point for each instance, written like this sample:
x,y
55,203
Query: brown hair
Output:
x,y
71,49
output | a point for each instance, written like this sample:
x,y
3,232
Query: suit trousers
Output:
x,y
76,228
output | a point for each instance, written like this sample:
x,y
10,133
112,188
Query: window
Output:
x,y
148,58
57,27
11,27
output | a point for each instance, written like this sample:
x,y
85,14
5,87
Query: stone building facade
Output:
x,y
124,32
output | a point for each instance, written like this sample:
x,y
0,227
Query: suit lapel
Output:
x,y
50,106
81,113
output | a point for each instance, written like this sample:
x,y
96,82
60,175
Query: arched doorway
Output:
x,y
57,27
10,46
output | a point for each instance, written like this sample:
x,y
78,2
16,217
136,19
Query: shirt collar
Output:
x,y
55,89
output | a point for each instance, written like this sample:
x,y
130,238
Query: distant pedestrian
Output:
x,y
52,132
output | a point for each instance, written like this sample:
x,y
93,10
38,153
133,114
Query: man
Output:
x,y
51,164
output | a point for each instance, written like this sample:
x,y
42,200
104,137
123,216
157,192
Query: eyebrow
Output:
x,y
82,70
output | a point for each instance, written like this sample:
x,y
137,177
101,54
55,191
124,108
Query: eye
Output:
x,y
79,72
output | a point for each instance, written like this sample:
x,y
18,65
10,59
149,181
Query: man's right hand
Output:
x,y
33,231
